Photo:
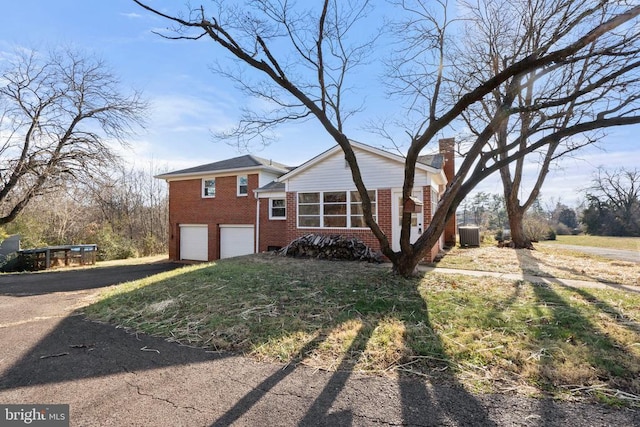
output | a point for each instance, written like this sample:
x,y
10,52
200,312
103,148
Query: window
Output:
x,y
340,209
277,209
357,215
308,209
242,185
209,187
434,202
335,209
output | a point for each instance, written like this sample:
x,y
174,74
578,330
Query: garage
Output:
x,y
194,242
236,240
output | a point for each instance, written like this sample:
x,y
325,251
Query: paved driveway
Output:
x,y
110,377
76,280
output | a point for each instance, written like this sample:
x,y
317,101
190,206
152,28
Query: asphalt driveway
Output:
x,y
45,282
110,377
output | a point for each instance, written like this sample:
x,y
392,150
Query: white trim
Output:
x,y
270,195
256,249
236,226
321,204
223,172
203,187
238,185
277,218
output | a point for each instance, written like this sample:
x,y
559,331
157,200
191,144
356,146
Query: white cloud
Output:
x,y
131,15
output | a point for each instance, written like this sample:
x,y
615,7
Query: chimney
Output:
x,y
447,149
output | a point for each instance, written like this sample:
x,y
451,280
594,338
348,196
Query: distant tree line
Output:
x,y
125,212
613,203
612,208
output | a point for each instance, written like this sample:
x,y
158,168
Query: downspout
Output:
x,y
257,248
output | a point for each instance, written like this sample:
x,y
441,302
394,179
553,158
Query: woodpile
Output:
x,y
333,247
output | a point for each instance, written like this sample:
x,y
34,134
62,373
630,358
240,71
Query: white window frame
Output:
x,y
238,185
435,199
202,192
321,204
271,207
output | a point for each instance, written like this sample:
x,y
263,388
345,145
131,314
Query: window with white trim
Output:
x,y
243,188
434,202
209,187
277,209
333,209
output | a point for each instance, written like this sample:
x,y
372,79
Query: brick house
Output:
x,y
248,204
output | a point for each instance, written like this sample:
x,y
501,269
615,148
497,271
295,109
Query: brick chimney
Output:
x,y
447,149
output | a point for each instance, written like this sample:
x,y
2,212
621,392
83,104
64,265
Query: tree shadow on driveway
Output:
x,y
266,393
25,284
78,349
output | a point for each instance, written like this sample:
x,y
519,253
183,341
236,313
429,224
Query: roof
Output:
x,y
436,161
245,162
273,186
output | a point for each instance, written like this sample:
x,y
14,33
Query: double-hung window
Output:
x,y
243,188
333,209
277,209
209,187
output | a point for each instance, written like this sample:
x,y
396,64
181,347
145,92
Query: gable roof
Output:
x,y
246,162
430,163
436,161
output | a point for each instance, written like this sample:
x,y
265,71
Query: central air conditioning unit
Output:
x,y
469,236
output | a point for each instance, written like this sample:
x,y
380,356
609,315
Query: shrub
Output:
x,y
562,230
112,246
551,235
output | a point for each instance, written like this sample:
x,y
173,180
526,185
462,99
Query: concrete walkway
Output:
x,y
572,283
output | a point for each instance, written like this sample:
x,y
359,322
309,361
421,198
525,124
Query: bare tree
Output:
x,y
569,105
613,203
58,115
134,205
271,37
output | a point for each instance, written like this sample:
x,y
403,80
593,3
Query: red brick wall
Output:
x,y
272,232
187,206
384,221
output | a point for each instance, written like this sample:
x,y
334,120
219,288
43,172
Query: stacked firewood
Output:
x,y
333,246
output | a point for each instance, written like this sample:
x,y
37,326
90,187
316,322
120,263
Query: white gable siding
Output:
x,y
333,174
266,177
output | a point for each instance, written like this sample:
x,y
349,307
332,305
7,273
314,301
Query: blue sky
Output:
x,y
189,101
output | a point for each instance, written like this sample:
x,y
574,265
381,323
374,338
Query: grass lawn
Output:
x,y
486,334
626,243
546,260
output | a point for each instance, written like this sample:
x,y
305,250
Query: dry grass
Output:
x,y
485,333
625,243
544,261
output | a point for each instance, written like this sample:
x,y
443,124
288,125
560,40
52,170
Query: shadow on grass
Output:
x,y
359,316
377,302
575,352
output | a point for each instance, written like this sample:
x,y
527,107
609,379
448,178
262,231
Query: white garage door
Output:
x,y
194,244
236,240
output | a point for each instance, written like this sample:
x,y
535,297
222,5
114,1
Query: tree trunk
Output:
x,y
406,265
519,239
